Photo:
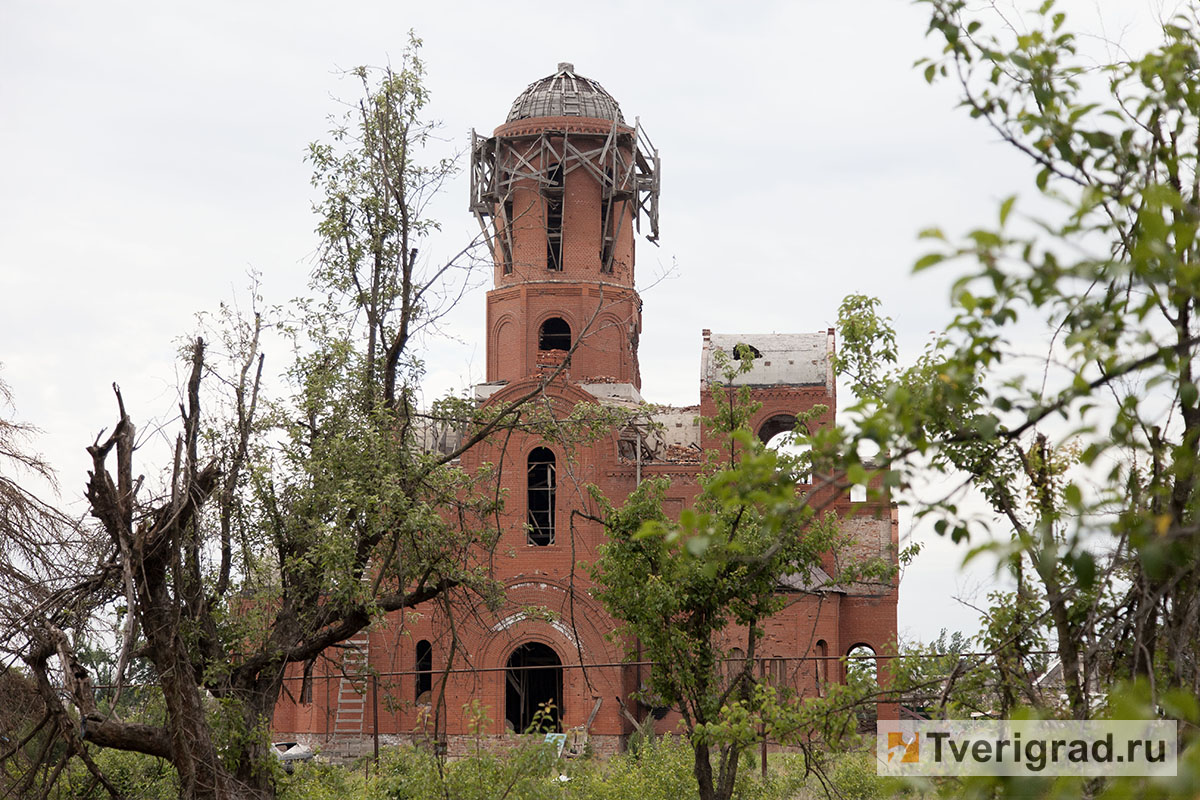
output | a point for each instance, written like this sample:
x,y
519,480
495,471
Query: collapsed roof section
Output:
x,y
670,434
814,581
780,359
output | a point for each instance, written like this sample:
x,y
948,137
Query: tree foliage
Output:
x,y
694,593
1064,389
286,523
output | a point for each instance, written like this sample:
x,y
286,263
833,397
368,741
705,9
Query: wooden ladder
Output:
x,y
352,686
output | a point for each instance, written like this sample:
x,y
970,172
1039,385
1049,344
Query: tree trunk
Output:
x,y
703,771
193,753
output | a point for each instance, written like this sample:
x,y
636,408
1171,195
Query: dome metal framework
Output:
x,y
565,94
620,157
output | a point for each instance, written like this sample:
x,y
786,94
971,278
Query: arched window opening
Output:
x,y
775,672
795,454
424,667
555,334
862,674
533,681
860,666
780,423
506,237
554,218
822,671
541,483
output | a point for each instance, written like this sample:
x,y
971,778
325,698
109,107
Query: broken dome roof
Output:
x,y
565,94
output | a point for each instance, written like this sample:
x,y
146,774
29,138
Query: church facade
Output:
x,y
564,188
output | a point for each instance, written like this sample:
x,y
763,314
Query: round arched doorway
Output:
x,y
533,679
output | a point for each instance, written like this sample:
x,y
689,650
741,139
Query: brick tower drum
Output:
x,y
560,188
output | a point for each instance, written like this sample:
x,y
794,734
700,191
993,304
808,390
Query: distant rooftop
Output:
x,y
565,94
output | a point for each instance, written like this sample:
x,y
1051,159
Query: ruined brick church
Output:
x,y
564,188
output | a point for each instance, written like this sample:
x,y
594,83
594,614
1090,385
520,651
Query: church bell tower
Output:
x,y
560,189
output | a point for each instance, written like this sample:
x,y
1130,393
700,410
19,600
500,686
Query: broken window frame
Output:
x,y
607,235
554,218
540,484
506,239
557,338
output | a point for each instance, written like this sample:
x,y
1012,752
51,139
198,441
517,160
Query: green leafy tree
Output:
x,y
286,524
1085,449
694,593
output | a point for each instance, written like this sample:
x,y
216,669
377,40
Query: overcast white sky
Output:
x,y
151,156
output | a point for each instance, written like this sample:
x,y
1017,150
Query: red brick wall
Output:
x,y
605,319
547,598
602,308
548,578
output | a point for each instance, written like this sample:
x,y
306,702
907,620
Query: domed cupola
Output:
x,y
561,190
565,94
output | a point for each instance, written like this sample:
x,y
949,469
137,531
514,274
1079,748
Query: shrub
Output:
x,y
135,776
661,770
314,780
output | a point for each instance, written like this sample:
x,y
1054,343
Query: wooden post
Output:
x,y
762,672
375,714
764,751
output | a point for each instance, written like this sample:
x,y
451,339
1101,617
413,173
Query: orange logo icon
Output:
x,y
907,746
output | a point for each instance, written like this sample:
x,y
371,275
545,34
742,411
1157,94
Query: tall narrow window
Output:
x,y
554,219
506,238
307,682
606,249
822,653
424,667
540,476
555,334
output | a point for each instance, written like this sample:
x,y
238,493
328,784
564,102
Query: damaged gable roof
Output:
x,y
780,359
816,580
